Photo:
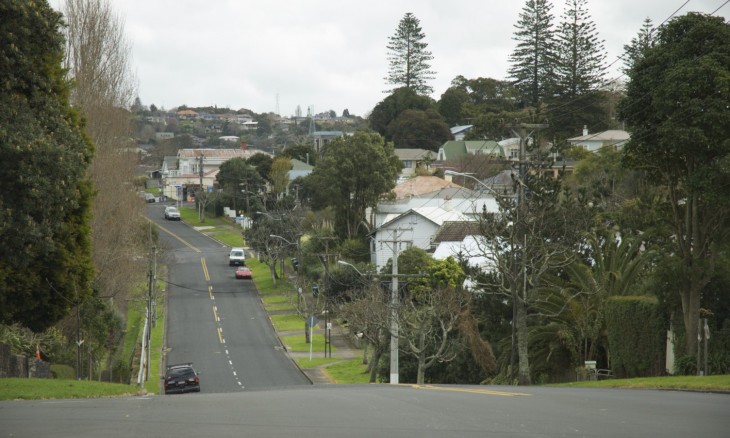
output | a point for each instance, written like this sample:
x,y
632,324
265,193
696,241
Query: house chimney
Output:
x,y
585,129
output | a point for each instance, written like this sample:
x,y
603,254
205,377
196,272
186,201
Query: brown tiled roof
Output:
x,y
420,185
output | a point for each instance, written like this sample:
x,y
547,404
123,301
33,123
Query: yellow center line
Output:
x,y
220,335
470,390
184,242
205,269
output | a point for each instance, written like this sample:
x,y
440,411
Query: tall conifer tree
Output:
x,y
408,57
576,100
634,51
533,58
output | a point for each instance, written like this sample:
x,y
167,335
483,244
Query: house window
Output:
x,y
407,164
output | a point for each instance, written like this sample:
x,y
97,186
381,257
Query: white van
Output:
x,y
237,257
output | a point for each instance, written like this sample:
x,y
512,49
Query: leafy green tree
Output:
x,y
676,110
451,105
240,181
419,129
351,176
279,175
408,57
392,106
45,252
578,73
533,60
262,163
302,152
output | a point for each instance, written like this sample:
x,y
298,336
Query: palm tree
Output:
x,y
574,309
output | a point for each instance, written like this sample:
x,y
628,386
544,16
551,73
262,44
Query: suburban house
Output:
x,y
593,142
428,202
431,191
299,169
186,115
454,150
415,227
459,132
463,241
195,166
413,159
321,138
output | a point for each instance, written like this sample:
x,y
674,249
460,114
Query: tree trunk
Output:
x,y
374,364
691,296
524,361
421,358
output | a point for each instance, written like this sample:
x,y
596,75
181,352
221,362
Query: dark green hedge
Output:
x,y
636,336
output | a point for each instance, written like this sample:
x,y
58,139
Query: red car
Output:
x,y
243,272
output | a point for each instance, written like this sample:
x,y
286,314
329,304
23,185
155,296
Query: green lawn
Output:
x,y
704,383
288,322
305,362
45,389
298,343
349,372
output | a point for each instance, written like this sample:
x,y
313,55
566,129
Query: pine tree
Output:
x,y
576,100
639,44
580,66
533,58
408,57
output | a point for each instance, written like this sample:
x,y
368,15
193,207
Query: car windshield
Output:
x,y
180,372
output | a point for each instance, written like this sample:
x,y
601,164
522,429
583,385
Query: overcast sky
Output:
x,y
331,55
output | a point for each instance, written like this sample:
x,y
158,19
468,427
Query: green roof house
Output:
x,y
454,150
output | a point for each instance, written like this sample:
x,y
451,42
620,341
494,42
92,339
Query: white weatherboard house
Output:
x,y
415,227
431,191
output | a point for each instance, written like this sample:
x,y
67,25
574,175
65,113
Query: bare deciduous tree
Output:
x,y
98,60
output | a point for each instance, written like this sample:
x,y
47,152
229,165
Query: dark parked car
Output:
x,y
181,378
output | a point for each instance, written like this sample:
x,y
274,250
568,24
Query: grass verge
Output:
x,y
349,372
298,343
46,389
305,362
287,322
696,383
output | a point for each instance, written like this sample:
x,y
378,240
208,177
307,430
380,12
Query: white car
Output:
x,y
172,214
237,257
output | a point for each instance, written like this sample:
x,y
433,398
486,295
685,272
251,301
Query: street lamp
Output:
x,y
342,262
514,289
468,175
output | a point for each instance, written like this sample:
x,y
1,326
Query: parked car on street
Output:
x,y
172,214
181,378
243,272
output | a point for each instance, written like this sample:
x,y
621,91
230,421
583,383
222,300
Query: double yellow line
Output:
x,y
470,390
216,318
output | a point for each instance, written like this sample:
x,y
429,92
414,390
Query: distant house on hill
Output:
x,y
412,159
191,166
459,132
593,142
321,138
454,150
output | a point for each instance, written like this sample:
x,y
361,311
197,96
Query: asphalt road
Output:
x,y
215,321
380,410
